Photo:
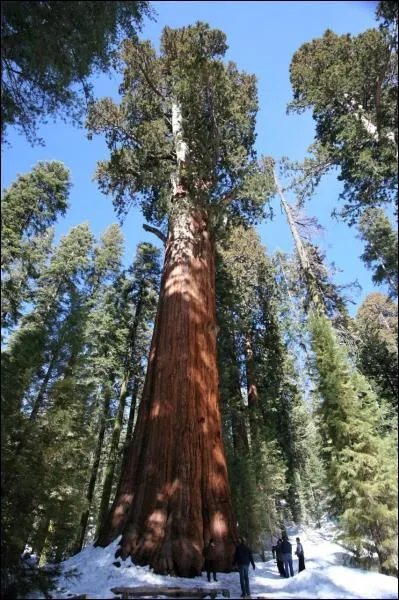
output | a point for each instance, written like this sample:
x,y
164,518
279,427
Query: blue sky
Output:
x,y
262,37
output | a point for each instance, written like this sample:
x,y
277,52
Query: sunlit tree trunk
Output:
x,y
175,492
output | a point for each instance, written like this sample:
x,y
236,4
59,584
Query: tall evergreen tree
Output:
x,y
363,496
234,411
351,85
104,335
142,297
257,358
38,355
28,209
181,141
307,475
352,448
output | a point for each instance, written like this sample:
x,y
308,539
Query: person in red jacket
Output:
x,y
242,558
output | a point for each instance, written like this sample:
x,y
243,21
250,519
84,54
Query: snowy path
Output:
x,y
324,577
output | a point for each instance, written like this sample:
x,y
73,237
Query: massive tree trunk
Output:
x,y
175,492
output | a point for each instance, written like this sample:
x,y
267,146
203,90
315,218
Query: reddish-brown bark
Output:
x,y
175,493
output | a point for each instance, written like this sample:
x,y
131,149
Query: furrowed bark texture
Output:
x,y
174,492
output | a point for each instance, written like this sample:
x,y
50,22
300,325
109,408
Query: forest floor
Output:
x,y
325,575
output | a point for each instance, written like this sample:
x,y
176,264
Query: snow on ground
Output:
x,y
324,577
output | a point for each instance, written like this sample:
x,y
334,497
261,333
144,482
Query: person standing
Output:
x,y
210,563
279,558
286,550
300,554
242,558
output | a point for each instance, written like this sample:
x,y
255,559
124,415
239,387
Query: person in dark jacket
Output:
x,y
286,550
300,554
210,563
242,558
279,558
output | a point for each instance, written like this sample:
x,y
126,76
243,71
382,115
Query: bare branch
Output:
x,y
155,231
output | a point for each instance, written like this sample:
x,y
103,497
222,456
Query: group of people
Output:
x,y
282,552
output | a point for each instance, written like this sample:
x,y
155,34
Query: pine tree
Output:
x,y
37,357
29,207
352,451
233,410
248,302
306,476
104,334
189,152
360,496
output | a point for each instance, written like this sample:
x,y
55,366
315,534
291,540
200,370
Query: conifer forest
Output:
x,y
205,387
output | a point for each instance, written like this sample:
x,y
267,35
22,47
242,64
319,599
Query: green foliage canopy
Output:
x,y
381,250
351,85
218,105
50,49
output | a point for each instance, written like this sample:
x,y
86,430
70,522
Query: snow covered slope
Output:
x,y
324,577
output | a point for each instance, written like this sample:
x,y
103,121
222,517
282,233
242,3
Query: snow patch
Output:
x,y
324,577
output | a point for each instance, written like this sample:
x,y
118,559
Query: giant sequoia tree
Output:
x,y
181,143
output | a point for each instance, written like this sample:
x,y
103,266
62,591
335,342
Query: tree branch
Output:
x,y
309,173
154,89
229,197
155,231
